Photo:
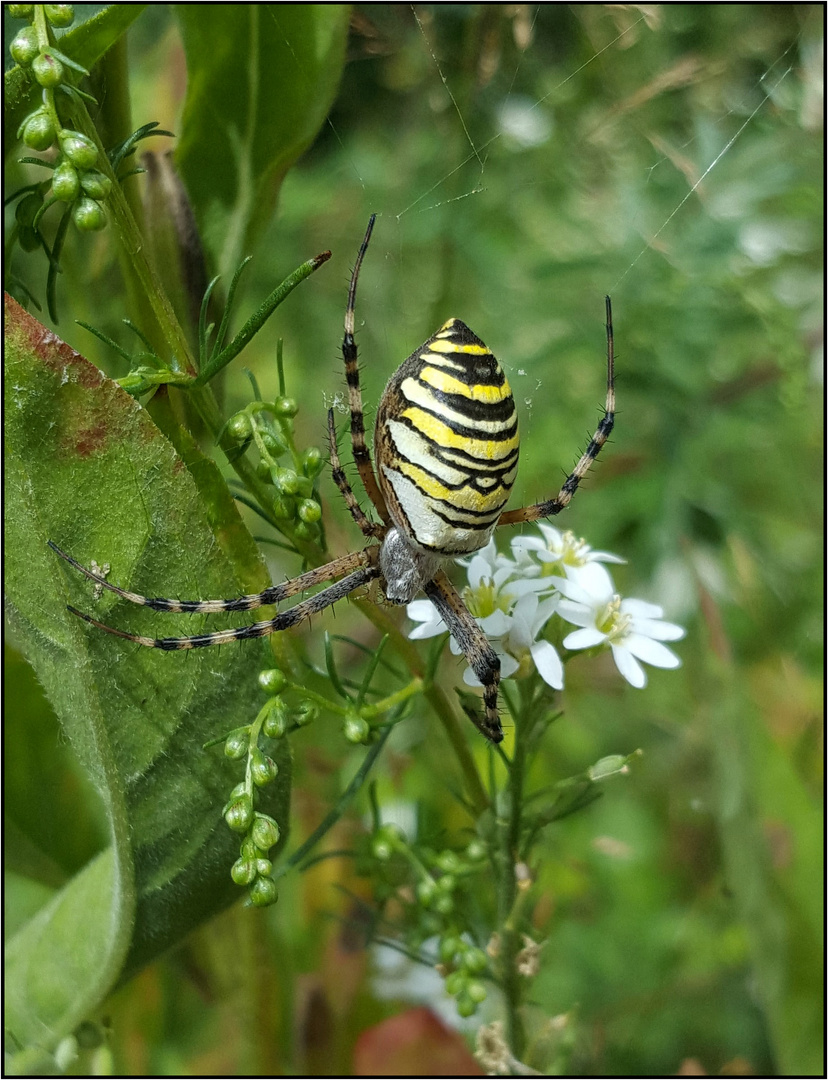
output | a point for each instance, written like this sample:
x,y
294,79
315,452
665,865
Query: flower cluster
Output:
x,y
554,576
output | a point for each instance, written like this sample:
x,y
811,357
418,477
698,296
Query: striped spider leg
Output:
x,y
360,568
602,433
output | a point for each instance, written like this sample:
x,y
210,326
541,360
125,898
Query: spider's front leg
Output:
x,y
362,455
482,658
602,433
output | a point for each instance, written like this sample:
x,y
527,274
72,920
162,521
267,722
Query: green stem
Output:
x,y
509,893
369,712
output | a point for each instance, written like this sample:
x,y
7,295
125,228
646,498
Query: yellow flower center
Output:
x,y
611,621
486,599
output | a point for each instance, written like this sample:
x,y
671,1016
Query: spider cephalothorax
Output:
x,y
446,447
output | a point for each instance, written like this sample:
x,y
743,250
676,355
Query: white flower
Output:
x,y
516,645
634,629
508,612
558,554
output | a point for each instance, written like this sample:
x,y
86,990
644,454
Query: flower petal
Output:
x,y
584,639
421,611
629,667
548,664
660,631
495,625
651,652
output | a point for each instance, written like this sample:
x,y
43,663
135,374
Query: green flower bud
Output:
x,y
276,722
356,729
309,511
88,215
263,769
444,905
238,790
476,991
304,531
287,481
305,714
427,891
273,443
474,961
476,851
38,131
47,70
285,406
20,11
263,892
272,681
312,461
243,871
239,428
264,867
65,182
24,48
283,508
449,862
95,184
466,1006
455,982
79,149
449,947
59,15
240,813
265,832
236,744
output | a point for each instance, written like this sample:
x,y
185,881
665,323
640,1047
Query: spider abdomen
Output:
x,y
446,443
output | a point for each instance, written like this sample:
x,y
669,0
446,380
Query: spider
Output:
x,y
446,447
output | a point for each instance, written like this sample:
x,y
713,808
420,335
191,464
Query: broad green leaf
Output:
x,y
85,42
87,467
261,78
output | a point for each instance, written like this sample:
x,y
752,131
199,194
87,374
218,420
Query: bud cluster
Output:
x,y
75,178
269,426
435,906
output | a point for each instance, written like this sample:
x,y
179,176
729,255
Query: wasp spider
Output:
x,y
446,446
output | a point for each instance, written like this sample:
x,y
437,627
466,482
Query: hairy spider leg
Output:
x,y
367,527
283,621
602,432
482,658
272,595
362,455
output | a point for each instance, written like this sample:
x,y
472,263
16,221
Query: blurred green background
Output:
x,y
524,161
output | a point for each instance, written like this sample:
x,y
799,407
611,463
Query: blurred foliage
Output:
x,y
524,161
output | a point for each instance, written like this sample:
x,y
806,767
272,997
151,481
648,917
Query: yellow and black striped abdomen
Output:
x,y
446,443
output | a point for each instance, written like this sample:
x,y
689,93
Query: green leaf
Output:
x,y
88,468
260,81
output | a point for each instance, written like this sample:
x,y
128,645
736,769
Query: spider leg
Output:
x,y
602,432
362,456
273,595
369,528
482,658
283,621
